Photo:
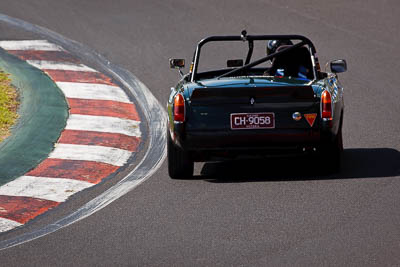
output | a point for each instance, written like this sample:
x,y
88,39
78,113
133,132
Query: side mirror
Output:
x,y
176,63
338,66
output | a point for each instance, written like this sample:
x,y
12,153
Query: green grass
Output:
x,y
8,105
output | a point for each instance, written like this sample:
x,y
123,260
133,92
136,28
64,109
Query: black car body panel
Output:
x,y
212,99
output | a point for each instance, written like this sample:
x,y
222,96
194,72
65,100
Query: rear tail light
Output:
x,y
179,108
326,105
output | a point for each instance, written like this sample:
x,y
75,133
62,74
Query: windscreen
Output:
x,y
215,55
223,56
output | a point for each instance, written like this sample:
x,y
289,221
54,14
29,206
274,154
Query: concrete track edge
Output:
x,y
154,114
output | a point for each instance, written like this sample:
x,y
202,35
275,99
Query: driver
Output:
x,y
295,63
272,47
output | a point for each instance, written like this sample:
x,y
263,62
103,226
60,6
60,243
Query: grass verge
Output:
x,y
8,105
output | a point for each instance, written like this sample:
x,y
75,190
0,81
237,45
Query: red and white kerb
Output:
x,y
102,132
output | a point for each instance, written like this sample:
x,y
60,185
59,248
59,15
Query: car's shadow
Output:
x,y
356,163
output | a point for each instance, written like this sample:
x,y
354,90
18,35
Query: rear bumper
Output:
x,y
251,152
232,144
248,138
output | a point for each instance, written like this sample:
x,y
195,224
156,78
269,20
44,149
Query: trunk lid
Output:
x,y
210,107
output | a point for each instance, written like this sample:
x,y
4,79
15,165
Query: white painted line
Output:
x,y
55,65
6,224
152,160
39,45
110,155
93,91
54,189
103,124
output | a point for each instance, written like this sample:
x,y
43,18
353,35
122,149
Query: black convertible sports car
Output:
x,y
280,104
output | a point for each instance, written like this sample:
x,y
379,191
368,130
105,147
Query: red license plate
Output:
x,y
252,121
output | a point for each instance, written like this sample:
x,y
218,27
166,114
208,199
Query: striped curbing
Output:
x,y
90,171
103,124
54,189
54,65
79,77
93,91
101,134
109,155
30,45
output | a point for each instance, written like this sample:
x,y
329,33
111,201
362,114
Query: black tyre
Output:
x,y
179,164
331,154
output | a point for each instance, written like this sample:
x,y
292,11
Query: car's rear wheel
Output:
x,y
331,154
179,164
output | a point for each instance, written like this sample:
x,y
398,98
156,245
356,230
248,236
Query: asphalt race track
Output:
x,y
274,213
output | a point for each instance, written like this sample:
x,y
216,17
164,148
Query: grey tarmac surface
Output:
x,y
288,215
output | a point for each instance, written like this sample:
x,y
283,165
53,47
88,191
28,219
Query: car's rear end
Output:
x,y
278,104
264,119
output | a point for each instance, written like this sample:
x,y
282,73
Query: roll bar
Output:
x,y
251,38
